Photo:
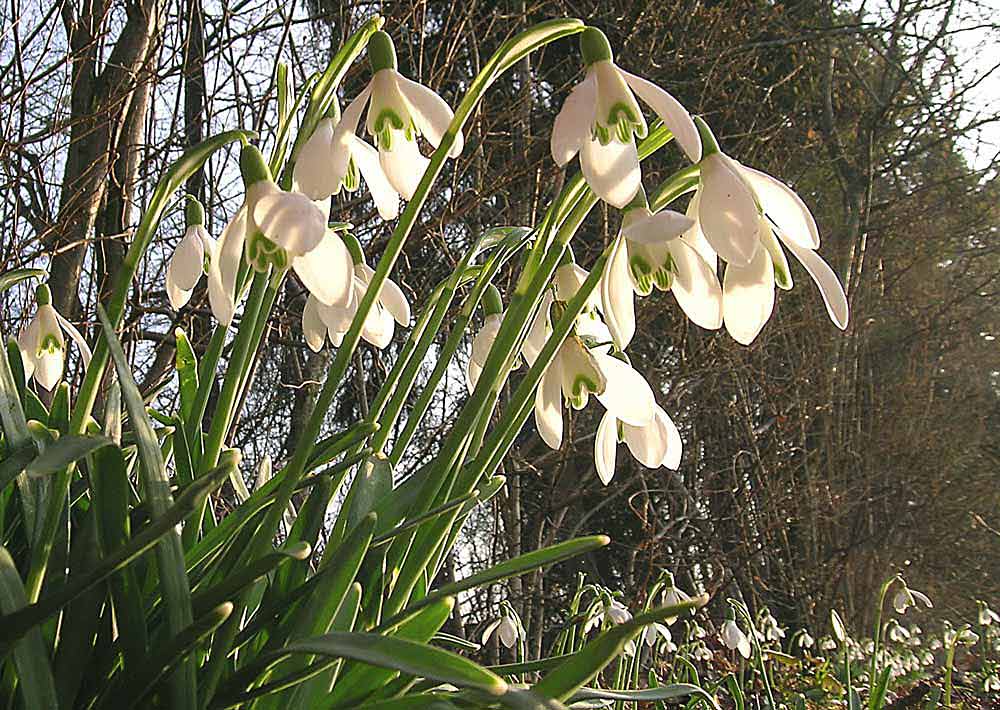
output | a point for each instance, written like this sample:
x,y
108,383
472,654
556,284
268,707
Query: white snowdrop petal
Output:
x,y
606,447
574,120
627,395
671,112
291,220
695,237
748,297
617,295
313,173
403,165
76,336
785,208
49,368
488,631
223,269
825,279
548,407
341,143
696,286
726,211
395,302
188,260
431,114
384,195
648,443
611,170
313,327
658,228
327,270
379,327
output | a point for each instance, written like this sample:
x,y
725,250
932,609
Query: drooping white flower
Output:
x,y
746,217
191,257
481,345
655,444
771,629
651,251
42,345
828,644
991,684
672,596
320,321
804,640
275,228
897,633
506,629
579,370
610,612
734,639
601,118
906,597
702,653
399,110
656,633
986,615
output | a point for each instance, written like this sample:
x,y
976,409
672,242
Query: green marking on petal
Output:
x,y
352,178
664,279
50,344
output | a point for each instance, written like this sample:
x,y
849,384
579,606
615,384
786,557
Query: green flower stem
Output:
x,y
949,665
758,651
877,633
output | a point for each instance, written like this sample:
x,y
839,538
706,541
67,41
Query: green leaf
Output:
x,y
31,660
186,363
64,451
405,656
664,692
518,565
373,484
16,276
15,428
234,584
156,495
165,657
585,664
420,701
359,681
17,623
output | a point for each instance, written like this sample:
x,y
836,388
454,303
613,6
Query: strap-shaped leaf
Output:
x,y
235,583
16,276
573,673
186,364
513,567
156,495
64,451
15,428
31,659
665,692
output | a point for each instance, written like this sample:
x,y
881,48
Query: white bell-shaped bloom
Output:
x,y
734,639
906,597
672,596
651,251
399,110
702,653
320,321
280,229
990,685
828,644
601,119
987,616
655,444
505,628
481,346
656,633
805,640
609,613
748,219
771,629
187,264
43,346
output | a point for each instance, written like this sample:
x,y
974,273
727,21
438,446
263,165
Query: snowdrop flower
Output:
x,y
804,640
828,644
701,652
398,111
655,633
506,629
191,257
577,371
320,321
963,637
734,639
655,444
672,596
650,251
906,597
986,615
277,229
601,118
482,343
771,630
42,345
897,633
992,683
935,644
745,217
610,612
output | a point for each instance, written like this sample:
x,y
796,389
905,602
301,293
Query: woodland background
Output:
x,y
816,462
